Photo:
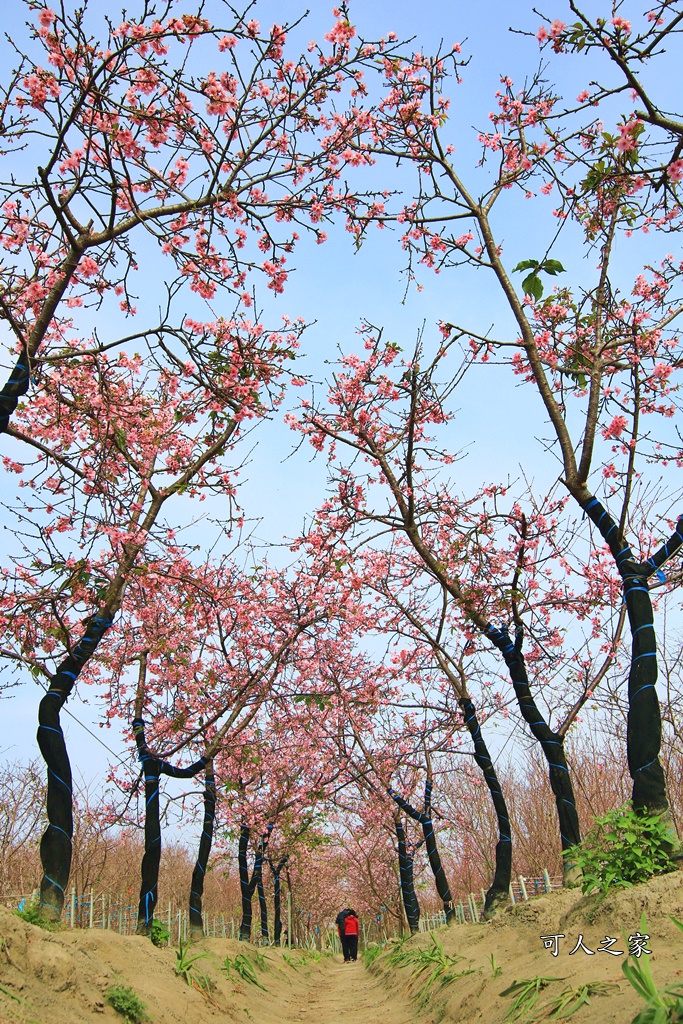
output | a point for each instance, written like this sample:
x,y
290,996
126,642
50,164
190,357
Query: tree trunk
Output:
x,y
425,819
245,887
263,906
277,899
55,845
16,386
644,723
199,873
442,886
405,865
497,894
153,768
248,885
552,745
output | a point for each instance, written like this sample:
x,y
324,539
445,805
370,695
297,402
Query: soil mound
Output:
x,y
64,977
481,961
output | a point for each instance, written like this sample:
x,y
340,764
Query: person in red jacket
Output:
x,y
351,935
339,921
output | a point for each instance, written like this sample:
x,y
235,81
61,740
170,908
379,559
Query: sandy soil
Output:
x,y
514,941
63,977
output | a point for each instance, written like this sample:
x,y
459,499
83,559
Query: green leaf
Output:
x,y
526,265
533,286
552,267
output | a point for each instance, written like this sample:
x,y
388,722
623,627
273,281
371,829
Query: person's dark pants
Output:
x,y
352,946
344,939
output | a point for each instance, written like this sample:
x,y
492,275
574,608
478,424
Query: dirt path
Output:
x,y
349,992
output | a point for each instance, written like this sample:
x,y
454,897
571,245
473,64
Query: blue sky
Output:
x,y
336,288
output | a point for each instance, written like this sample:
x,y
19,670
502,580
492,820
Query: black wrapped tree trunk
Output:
x,y
153,768
497,894
14,389
263,907
246,891
552,745
199,873
55,845
644,722
249,885
425,820
405,867
276,870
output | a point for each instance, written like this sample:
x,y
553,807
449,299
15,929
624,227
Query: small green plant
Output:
x,y
125,1001
245,967
679,924
370,953
395,954
261,959
159,934
571,999
621,849
29,912
496,969
526,995
185,969
438,966
430,966
662,1006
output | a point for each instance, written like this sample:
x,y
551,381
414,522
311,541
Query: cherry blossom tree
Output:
x,y
112,129
138,441
363,705
287,783
219,652
166,136
458,563
630,48
599,357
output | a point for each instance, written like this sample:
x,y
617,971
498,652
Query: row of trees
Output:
x,y
357,844
416,604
